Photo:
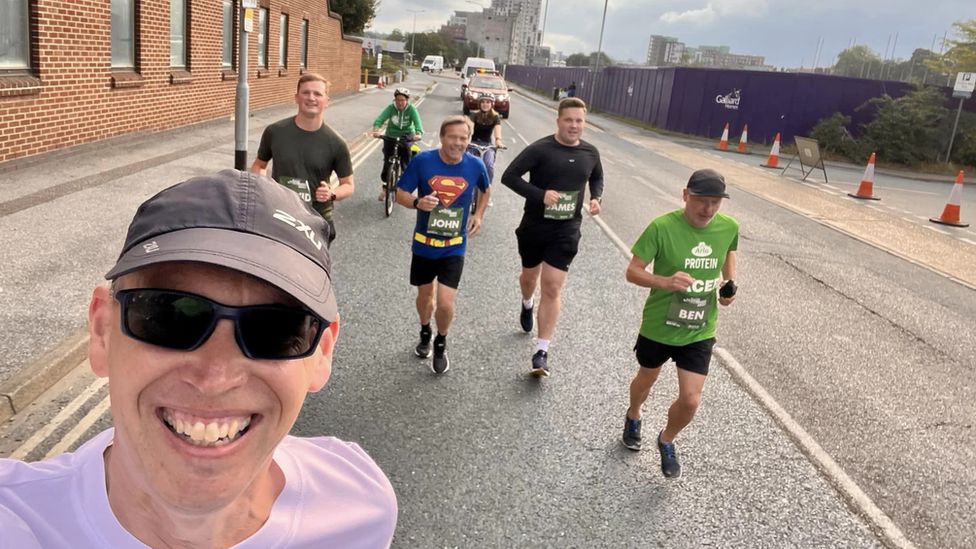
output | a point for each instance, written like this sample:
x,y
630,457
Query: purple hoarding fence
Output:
x,y
700,101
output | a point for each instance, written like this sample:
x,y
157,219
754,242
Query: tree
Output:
x,y
356,14
911,129
396,36
584,60
961,55
854,60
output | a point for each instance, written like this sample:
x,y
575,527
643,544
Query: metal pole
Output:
x,y
242,99
413,35
599,54
955,125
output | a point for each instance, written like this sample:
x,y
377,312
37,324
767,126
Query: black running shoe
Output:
x,y
632,430
669,459
423,348
525,319
540,366
441,363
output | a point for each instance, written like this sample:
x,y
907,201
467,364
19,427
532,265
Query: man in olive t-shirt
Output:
x,y
693,255
306,151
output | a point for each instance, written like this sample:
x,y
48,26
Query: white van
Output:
x,y
473,65
433,63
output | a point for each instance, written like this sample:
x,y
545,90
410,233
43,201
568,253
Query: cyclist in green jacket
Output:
x,y
402,119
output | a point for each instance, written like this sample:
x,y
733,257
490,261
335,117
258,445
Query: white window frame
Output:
x,y
263,38
178,50
119,39
283,40
303,45
12,31
227,35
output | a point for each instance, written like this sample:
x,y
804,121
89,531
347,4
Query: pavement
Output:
x,y
47,276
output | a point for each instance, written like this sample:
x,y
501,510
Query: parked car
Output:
x,y
487,83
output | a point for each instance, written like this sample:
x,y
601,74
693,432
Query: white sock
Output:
x,y
528,303
542,345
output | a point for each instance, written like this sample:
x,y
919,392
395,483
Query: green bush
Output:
x,y
833,136
910,130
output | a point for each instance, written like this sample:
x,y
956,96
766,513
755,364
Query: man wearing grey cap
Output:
x,y
220,318
693,255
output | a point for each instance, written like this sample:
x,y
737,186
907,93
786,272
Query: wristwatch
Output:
x,y
599,199
415,201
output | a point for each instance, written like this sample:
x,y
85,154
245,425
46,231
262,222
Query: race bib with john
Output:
x,y
445,222
564,208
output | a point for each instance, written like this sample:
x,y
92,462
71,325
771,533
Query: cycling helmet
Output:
x,y
486,97
402,91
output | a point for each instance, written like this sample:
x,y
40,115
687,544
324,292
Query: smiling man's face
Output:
x,y
197,429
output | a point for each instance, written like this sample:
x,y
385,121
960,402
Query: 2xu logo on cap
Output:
x,y
299,226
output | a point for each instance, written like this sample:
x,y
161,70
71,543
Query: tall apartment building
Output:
x,y
493,32
526,34
664,50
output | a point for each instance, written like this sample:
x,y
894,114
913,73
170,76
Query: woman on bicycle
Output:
x,y
402,120
487,130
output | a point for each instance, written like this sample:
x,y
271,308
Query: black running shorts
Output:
x,y
556,244
693,357
447,270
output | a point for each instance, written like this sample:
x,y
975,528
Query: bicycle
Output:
x,y
394,170
478,150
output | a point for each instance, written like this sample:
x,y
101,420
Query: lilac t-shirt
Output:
x,y
334,496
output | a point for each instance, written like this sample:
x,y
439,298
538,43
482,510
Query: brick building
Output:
x,y
75,71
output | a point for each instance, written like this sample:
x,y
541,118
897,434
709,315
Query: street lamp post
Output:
x,y
599,54
413,35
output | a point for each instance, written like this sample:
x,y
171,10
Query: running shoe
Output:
x,y
525,319
423,348
441,362
540,366
669,459
632,436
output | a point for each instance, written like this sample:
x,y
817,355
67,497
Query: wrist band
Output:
x,y
415,201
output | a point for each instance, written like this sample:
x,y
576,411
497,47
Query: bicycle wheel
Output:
x,y
391,188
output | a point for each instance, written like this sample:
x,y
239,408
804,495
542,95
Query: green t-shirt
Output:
x,y
671,244
300,160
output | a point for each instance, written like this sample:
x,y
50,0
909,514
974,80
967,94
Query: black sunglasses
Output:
x,y
184,321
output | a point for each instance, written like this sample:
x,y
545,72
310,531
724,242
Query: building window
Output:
x,y
123,34
177,33
283,40
14,35
303,45
227,52
263,37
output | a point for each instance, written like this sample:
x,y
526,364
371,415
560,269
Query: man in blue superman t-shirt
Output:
x,y
446,180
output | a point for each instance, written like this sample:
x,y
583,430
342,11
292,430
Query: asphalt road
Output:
x,y
870,354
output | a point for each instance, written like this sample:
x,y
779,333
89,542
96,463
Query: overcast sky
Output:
x,y
786,32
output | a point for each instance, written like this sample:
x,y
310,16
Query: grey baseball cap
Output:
x,y
707,182
241,221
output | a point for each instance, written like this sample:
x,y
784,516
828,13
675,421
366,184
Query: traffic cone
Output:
x,y
866,189
743,139
773,160
950,215
723,143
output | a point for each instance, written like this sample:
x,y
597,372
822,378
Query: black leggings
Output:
x,y
405,155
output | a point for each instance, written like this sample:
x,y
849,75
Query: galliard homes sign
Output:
x,y
730,100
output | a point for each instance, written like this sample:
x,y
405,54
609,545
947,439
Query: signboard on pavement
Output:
x,y
253,4
965,85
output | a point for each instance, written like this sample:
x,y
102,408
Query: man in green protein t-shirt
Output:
x,y
693,255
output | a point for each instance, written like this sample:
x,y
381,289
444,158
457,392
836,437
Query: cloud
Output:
x,y
701,16
744,9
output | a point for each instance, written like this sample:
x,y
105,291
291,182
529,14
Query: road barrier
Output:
x,y
743,141
950,214
723,143
773,160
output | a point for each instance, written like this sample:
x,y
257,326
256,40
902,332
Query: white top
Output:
x,y
334,496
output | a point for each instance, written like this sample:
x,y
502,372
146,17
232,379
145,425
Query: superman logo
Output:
x,y
448,189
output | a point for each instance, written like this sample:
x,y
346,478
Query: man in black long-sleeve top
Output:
x,y
559,168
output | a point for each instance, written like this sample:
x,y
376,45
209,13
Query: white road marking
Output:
x,y
808,446
968,241
834,473
79,430
520,136
65,414
938,230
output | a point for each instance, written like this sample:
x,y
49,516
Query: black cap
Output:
x,y
707,183
241,221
